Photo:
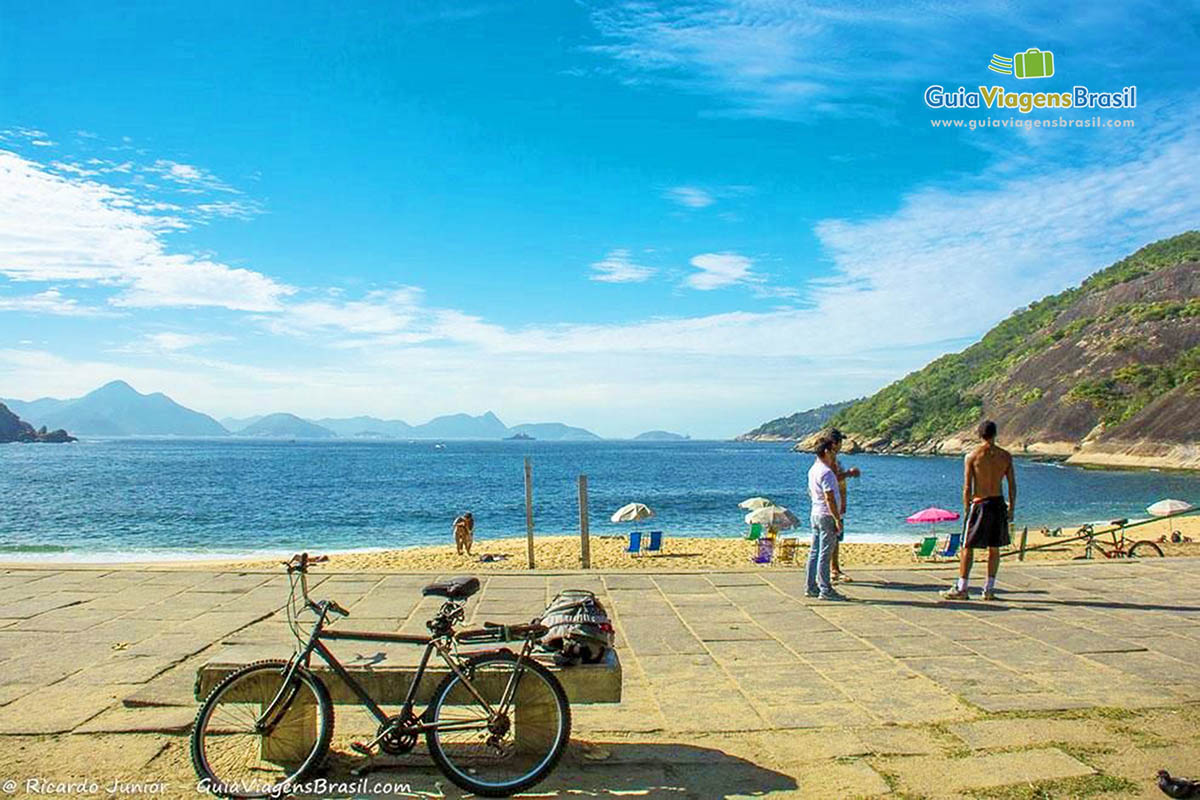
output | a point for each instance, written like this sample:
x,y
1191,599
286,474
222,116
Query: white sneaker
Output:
x,y
955,594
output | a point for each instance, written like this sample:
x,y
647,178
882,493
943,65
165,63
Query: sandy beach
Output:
x,y
686,553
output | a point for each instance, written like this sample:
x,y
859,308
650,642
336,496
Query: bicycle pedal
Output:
x,y
363,749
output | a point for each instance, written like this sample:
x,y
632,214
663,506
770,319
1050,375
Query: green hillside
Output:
x,y
796,426
952,393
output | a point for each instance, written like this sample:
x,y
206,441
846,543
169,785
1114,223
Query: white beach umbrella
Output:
x,y
753,503
1164,508
632,512
776,517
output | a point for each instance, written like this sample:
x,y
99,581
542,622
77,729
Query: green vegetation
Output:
x,y
1128,390
1153,312
945,395
1164,253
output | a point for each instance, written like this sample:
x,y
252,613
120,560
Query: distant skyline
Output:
x,y
621,217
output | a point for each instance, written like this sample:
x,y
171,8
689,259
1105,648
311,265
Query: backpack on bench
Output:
x,y
580,630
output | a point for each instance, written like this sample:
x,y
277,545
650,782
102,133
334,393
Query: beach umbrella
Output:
x,y
753,503
933,514
632,512
776,517
1164,508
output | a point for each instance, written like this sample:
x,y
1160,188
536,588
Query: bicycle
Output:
x,y
497,724
1144,548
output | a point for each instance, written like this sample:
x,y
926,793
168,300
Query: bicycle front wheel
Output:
x,y
498,749
235,756
1145,549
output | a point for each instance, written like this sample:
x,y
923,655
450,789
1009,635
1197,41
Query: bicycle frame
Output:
x,y
442,645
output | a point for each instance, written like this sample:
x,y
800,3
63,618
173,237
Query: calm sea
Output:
x,y
129,498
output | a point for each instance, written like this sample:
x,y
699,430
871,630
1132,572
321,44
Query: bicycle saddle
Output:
x,y
459,588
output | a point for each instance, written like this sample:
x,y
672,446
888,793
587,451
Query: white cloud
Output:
x,y
379,313
718,270
618,267
61,228
50,301
690,196
171,340
189,176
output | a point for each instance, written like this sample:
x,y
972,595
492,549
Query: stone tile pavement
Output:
x,y
99,651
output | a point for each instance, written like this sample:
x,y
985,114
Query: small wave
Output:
x,y
32,548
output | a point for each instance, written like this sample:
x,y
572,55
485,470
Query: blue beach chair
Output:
x,y
635,543
655,543
952,546
766,549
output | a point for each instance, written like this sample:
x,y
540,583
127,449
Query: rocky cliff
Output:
x,y
14,429
1105,374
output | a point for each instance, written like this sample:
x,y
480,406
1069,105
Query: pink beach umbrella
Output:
x,y
932,515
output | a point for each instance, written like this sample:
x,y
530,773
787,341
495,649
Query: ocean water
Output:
x,y
130,498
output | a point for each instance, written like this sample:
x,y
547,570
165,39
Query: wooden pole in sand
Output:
x,y
529,510
1024,537
585,544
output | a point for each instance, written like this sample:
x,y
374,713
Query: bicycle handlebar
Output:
x,y
332,605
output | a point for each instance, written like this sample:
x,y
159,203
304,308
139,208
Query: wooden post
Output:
x,y
585,544
1024,537
529,510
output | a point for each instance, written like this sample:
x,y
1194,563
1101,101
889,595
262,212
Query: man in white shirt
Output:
x,y
826,521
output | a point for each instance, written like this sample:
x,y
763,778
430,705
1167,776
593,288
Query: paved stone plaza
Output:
x,y
735,676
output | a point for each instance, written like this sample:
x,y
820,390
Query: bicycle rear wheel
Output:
x,y
1145,549
235,758
496,756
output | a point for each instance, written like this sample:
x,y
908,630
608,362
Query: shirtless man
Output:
x,y
987,517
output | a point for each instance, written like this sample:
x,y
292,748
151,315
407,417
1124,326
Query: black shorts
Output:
x,y
987,523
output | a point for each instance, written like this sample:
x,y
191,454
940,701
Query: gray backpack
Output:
x,y
580,630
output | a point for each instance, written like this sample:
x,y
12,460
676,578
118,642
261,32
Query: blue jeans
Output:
x,y
824,537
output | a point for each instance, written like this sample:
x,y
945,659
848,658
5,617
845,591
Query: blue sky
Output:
x,y
620,216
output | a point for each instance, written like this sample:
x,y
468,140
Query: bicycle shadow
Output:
x,y
653,770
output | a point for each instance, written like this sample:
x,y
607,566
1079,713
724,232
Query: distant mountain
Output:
x,y
462,426
235,424
117,409
15,429
1106,373
554,432
33,409
372,427
795,427
286,426
660,436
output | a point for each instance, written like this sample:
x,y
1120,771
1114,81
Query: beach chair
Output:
x,y
787,550
635,543
926,548
755,532
766,549
655,543
952,546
